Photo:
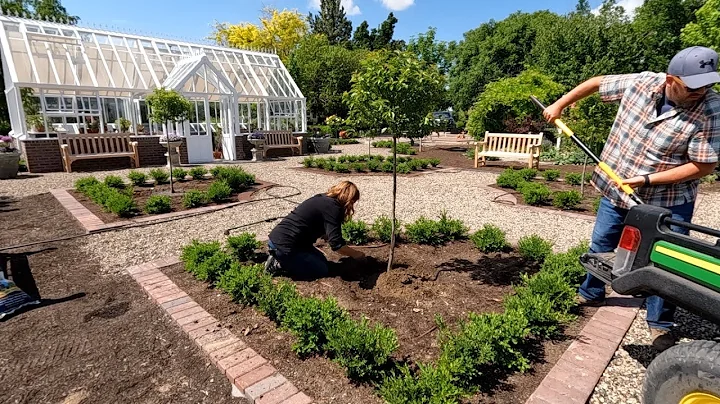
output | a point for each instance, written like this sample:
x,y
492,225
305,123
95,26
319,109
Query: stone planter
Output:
x,y
257,149
320,144
174,155
9,165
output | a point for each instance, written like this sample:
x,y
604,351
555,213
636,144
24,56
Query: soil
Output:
x,y
585,206
450,281
94,338
142,193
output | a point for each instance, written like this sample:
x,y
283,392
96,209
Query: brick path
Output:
x,y
251,375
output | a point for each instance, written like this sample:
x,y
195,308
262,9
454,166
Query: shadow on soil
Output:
x,y
495,271
44,303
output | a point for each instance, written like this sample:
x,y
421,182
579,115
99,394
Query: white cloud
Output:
x,y
628,5
397,5
349,5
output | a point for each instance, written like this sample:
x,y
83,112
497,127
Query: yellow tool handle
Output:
x,y
607,170
563,127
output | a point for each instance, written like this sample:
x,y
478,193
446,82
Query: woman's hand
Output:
x,y
351,252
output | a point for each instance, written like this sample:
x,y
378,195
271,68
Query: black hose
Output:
x,y
160,221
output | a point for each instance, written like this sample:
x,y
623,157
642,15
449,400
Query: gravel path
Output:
x,y
463,193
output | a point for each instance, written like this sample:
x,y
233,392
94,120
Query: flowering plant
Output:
x,y
171,138
6,145
256,136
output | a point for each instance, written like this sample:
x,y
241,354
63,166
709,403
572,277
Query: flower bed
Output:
x,y
115,199
524,297
369,164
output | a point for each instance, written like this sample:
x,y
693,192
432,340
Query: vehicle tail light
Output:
x,y
627,250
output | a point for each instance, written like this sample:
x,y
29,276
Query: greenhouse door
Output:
x,y
199,134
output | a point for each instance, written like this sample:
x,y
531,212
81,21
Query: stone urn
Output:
x,y
320,144
258,141
9,164
175,142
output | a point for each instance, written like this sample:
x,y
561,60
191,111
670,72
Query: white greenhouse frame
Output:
x,y
79,75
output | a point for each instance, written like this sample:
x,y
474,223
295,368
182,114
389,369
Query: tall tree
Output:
x,y
705,31
361,38
332,22
279,30
583,7
429,50
383,35
394,91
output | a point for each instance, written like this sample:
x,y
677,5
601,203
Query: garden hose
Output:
x,y
603,166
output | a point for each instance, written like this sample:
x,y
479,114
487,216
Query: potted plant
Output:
x,y
140,128
94,126
36,122
9,158
123,124
320,143
172,142
257,140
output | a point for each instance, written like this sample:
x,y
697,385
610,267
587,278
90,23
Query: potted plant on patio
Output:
x,y
94,126
9,158
36,123
123,124
168,106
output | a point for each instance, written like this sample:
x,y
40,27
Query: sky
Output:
x,y
193,19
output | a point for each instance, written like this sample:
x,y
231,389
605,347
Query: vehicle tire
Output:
x,y
688,373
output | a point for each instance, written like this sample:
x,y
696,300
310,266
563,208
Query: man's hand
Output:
x,y
553,111
634,182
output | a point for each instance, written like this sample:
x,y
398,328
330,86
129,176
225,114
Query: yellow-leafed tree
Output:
x,y
278,30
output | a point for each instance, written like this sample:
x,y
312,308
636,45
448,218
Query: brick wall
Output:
x,y
152,153
183,152
243,147
42,155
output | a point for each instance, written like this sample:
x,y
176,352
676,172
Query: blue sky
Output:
x,y
193,19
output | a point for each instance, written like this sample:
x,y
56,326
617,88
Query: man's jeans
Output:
x,y
605,238
302,265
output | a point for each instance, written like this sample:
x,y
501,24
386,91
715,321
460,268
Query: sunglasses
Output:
x,y
691,90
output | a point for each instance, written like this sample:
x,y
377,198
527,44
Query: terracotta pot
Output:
x,y
217,155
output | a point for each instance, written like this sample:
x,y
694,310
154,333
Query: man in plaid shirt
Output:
x,y
666,136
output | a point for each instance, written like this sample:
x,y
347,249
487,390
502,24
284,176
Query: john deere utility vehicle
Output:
x,y
650,260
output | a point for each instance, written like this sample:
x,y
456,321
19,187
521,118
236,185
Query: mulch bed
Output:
x,y
450,281
428,170
97,339
142,193
585,207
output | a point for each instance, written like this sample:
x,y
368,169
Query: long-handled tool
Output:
x,y
603,166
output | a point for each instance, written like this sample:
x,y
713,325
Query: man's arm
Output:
x,y
683,173
585,89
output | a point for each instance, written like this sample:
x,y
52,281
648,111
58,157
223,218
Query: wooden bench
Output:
x,y
96,146
279,139
513,145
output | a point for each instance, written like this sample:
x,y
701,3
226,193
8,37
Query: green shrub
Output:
x,y
235,177
575,178
708,179
373,165
273,300
434,383
82,184
309,319
451,229
308,162
544,321
243,282
596,204
206,261
243,246
378,158
528,174
113,181
382,144
342,159
198,173
534,248
194,198
120,204
342,168
567,199
566,265
554,287
359,167
387,166
424,163
534,193
509,178
382,228
490,239
404,148
158,204
403,168
434,162
355,232
179,173
551,175
137,178
159,175
363,351
219,191
424,231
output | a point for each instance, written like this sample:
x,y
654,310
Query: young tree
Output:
x,y
332,22
394,91
279,30
168,106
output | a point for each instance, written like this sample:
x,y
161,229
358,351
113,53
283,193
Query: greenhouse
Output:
x,y
68,79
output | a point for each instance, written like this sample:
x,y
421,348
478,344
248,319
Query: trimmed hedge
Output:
x,y
119,202
364,163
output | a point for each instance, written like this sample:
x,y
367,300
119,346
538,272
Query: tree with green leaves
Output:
x,y
323,73
394,91
507,102
705,31
168,106
430,50
377,38
332,22
361,37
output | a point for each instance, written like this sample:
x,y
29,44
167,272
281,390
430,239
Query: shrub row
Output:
x,y
334,141
401,148
539,194
112,199
320,326
363,163
538,308
236,177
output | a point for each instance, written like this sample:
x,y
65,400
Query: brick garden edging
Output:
x,y
91,223
573,378
251,375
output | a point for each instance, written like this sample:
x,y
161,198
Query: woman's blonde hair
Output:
x,y
347,194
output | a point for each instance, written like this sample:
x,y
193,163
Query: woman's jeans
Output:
x,y
605,238
304,264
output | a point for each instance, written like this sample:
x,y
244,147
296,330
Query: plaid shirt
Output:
x,y
640,142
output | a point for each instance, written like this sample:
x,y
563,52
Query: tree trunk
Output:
x,y
582,180
394,196
172,188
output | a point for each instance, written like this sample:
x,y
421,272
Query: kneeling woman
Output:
x,y
292,241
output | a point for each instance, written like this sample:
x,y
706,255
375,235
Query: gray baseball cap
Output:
x,y
696,66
